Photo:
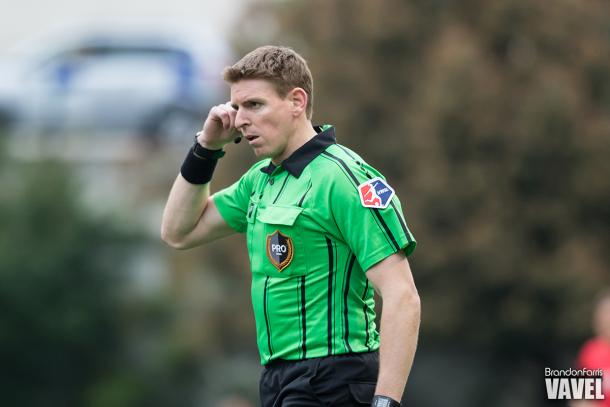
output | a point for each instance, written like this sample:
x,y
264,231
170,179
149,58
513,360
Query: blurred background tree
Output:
x,y
73,332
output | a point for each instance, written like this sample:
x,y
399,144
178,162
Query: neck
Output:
x,y
302,133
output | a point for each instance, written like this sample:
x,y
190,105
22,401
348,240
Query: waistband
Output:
x,y
279,363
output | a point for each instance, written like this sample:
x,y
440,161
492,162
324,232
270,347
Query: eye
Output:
x,y
253,104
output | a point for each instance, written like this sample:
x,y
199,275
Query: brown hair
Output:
x,y
282,66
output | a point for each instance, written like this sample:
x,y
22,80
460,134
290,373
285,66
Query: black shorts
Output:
x,y
338,381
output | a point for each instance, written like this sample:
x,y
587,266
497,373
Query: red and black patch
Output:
x,y
280,250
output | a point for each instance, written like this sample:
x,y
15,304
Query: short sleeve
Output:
x,y
232,203
371,233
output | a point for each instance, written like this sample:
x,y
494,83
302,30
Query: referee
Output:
x,y
323,229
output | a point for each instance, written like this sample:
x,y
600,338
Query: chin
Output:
x,y
262,154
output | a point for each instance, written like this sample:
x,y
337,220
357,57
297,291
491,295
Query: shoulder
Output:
x,y
346,174
342,156
341,165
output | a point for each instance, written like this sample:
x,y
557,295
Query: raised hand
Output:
x,y
219,127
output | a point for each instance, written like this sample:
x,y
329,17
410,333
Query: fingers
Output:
x,y
232,113
224,114
219,127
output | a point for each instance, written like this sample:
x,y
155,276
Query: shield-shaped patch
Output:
x,y
280,250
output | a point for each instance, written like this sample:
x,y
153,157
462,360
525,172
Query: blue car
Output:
x,y
153,87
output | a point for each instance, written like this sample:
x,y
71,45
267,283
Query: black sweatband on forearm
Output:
x,y
197,169
384,401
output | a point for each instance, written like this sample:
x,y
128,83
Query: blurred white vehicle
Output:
x,y
150,87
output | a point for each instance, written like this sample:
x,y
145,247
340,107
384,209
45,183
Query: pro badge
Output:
x,y
375,193
280,250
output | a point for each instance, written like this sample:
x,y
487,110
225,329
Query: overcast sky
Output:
x,y
28,19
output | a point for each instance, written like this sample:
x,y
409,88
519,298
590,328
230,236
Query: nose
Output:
x,y
241,120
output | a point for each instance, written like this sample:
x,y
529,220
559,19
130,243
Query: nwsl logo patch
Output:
x,y
375,193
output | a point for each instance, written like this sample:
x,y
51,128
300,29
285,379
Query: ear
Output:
x,y
298,98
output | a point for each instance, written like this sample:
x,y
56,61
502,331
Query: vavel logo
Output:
x,y
280,250
375,193
573,384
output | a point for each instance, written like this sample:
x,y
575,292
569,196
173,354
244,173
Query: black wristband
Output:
x,y
384,401
197,168
202,152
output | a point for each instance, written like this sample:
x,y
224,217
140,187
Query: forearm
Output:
x,y
185,205
399,330
186,221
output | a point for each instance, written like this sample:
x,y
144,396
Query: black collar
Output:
x,y
296,163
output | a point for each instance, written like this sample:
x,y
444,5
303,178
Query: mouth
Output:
x,y
250,138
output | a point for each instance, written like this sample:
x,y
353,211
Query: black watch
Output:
x,y
202,152
384,401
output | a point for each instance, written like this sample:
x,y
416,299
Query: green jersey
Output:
x,y
314,225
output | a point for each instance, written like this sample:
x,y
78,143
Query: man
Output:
x,y
323,229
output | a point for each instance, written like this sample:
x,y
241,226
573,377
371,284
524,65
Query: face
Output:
x,y
265,119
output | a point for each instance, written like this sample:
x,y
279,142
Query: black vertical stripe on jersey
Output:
x,y
304,195
403,225
386,228
303,317
267,316
336,273
352,260
366,315
344,165
346,151
330,295
282,188
375,210
298,286
342,310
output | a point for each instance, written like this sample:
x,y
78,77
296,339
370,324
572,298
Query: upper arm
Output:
x,y
392,276
210,226
225,212
372,233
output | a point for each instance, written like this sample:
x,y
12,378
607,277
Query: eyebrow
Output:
x,y
246,102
